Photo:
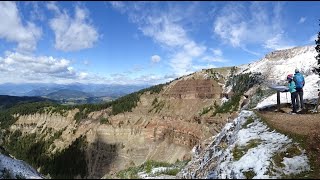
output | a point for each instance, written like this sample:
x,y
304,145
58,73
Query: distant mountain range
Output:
x,y
69,90
67,94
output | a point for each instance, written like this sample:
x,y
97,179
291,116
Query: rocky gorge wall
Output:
x,y
163,131
121,143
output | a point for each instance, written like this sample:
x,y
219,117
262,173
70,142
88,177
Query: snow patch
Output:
x,y
18,168
154,172
224,99
295,165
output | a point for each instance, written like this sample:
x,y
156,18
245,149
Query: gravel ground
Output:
x,y
302,124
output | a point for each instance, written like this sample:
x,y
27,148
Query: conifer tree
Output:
x,y
317,69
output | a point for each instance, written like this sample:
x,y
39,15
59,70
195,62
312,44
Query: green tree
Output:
x,y
317,69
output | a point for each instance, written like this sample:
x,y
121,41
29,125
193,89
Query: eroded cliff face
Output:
x,y
162,127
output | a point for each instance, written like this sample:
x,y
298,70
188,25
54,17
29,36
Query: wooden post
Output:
x,y
318,102
278,100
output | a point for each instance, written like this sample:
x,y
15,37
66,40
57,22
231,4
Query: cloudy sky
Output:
x,y
143,42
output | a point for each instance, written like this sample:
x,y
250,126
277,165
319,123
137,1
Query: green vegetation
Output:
x,y
249,174
3,151
239,151
258,96
155,101
132,172
213,74
290,152
86,109
240,84
7,102
231,105
205,110
7,119
34,150
104,120
317,68
120,105
157,105
243,82
249,121
72,159
232,72
171,172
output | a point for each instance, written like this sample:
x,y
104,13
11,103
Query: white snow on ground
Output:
x,y
154,172
217,162
224,99
17,168
295,164
258,159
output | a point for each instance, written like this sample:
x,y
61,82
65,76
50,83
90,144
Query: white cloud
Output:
x,y
155,59
302,20
217,52
173,36
168,28
214,59
240,26
276,43
181,63
53,7
13,30
193,49
200,67
313,38
72,34
83,75
18,67
37,12
165,32
121,78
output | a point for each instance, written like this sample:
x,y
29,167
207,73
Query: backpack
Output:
x,y
299,80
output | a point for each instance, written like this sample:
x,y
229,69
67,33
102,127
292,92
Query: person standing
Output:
x,y
293,91
299,81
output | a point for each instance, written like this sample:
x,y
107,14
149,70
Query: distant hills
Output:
x,y
75,93
67,94
9,101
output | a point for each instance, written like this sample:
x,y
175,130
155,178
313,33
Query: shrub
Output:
x,y
104,120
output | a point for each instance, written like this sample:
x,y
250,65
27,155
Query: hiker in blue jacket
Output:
x,y
299,80
293,91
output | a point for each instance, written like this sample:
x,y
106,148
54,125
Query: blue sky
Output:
x,y
143,42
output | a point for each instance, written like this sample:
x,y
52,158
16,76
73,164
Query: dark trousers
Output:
x,y
293,101
299,98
